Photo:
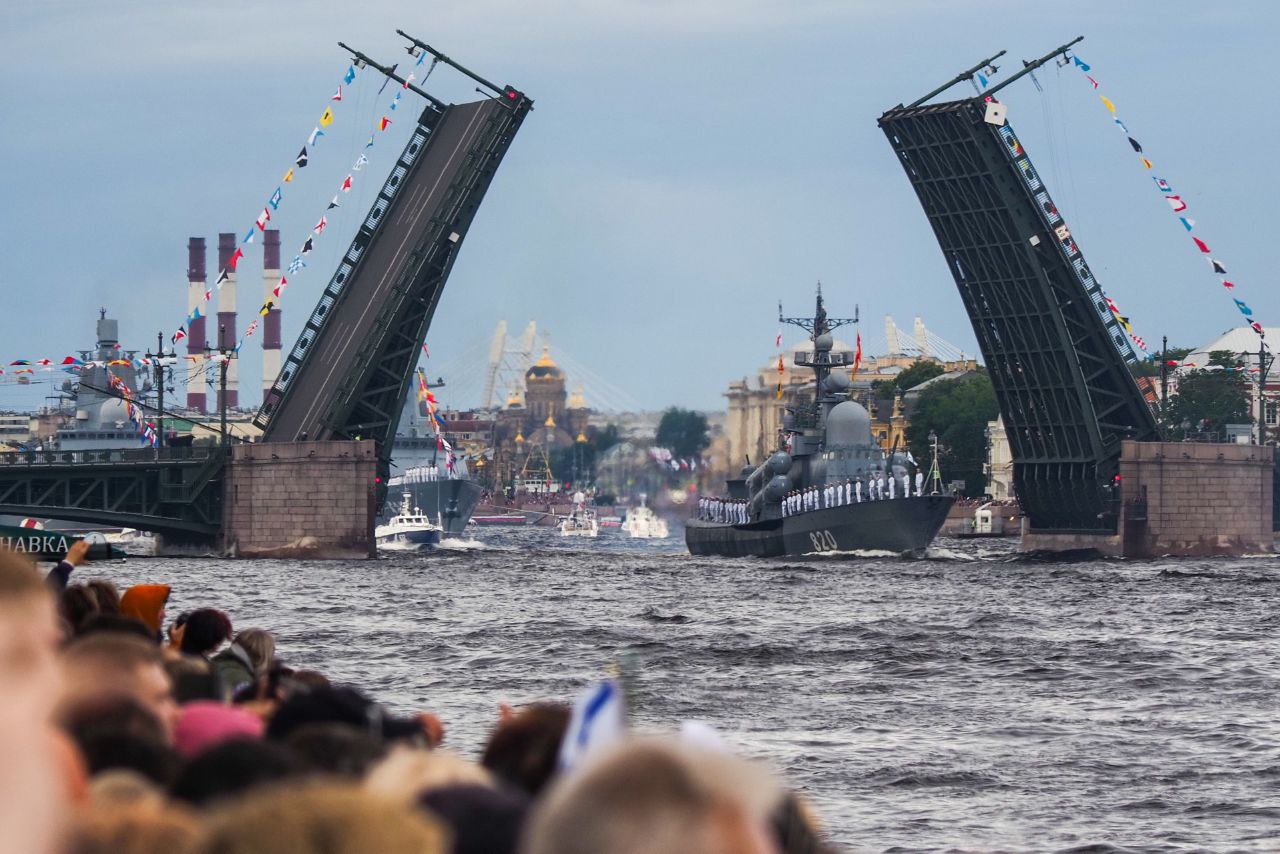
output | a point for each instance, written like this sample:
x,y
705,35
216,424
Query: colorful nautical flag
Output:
x,y
360,162
296,264
1106,102
266,307
350,75
263,219
288,176
308,246
222,277
319,229
1176,203
337,96
326,118
333,203
1201,245
383,123
1217,266
235,258
248,237
276,197
346,184
407,81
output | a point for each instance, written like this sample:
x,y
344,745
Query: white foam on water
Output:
x,y
459,545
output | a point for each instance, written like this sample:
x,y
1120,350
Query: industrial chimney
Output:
x,y
270,323
227,318
197,397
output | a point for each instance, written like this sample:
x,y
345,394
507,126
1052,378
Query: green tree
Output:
x,y
958,411
1210,397
917,373
883,389
684,432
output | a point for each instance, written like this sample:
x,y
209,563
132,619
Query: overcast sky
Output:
x,y
687,165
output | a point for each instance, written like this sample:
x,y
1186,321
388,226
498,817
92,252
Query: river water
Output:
x,y
967,700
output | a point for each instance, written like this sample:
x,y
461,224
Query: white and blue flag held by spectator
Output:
x,y
599,720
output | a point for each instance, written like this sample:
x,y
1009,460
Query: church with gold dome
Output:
x,y
542,414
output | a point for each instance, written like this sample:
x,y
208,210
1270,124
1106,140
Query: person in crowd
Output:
x,y
336,749
114,664
234,768
656,796
523,748
76,604
146,603
205,630
106,593
246,660
116,732
919,482
857,490
343,705
147,826
324,818
481,819
203,724
34,801
76,555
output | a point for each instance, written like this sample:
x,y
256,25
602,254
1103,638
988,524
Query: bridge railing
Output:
x,y
107,456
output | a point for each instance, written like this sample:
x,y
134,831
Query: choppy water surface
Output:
x,y
966,700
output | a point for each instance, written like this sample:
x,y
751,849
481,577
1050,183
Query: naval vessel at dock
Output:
x,y
808,496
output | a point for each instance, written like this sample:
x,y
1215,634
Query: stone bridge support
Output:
x,y
301,500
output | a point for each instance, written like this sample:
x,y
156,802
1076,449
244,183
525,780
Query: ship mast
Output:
x,y
821,361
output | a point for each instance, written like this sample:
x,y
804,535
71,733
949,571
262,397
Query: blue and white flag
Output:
x,y
350,75
296,264
274,201
599,720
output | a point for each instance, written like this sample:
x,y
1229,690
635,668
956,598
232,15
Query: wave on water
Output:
x,y
455,544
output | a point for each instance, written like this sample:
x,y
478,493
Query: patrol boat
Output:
x,y
814,493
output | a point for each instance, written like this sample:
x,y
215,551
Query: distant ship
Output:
x,y
581,521
805,498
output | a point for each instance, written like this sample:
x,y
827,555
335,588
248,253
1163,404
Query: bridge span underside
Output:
x,y
1053,349
351,369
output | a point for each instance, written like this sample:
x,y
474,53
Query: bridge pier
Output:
x,y
1183,499
307,500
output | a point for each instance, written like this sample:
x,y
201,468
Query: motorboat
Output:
x,y
408,529
643,524
581,521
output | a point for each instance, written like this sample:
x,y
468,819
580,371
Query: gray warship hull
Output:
x,y
450,501
902,525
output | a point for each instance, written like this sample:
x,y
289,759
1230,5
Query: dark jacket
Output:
x,y
233,668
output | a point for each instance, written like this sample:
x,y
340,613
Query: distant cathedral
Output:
x,y
544,413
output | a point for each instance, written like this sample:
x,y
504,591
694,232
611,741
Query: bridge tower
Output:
x,y
1056,356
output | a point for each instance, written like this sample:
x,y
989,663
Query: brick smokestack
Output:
x,y
270,323
227,318
197,280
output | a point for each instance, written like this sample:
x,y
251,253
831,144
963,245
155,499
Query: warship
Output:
x,y
808,496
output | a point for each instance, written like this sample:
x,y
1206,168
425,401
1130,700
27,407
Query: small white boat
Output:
x,y
581,521
409,529
643,524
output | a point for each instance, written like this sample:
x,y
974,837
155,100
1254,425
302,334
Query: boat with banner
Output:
x,y
828,487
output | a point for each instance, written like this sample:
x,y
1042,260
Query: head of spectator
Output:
x,y
141,827
482,820
107,622
408,772
76,604
112,664
34,797
106,593
247,660
336,749
523,749
146,604
205,723
233,768
342,705
648,797
116,732
324,818
206,629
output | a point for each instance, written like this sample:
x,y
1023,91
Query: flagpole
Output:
x,y
447,61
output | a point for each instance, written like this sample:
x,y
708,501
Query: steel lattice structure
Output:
x,y
1056,355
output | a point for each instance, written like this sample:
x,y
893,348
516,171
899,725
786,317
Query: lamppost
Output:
x,y
935,475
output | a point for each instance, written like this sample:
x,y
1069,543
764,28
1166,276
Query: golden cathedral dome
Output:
x,y
545,369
